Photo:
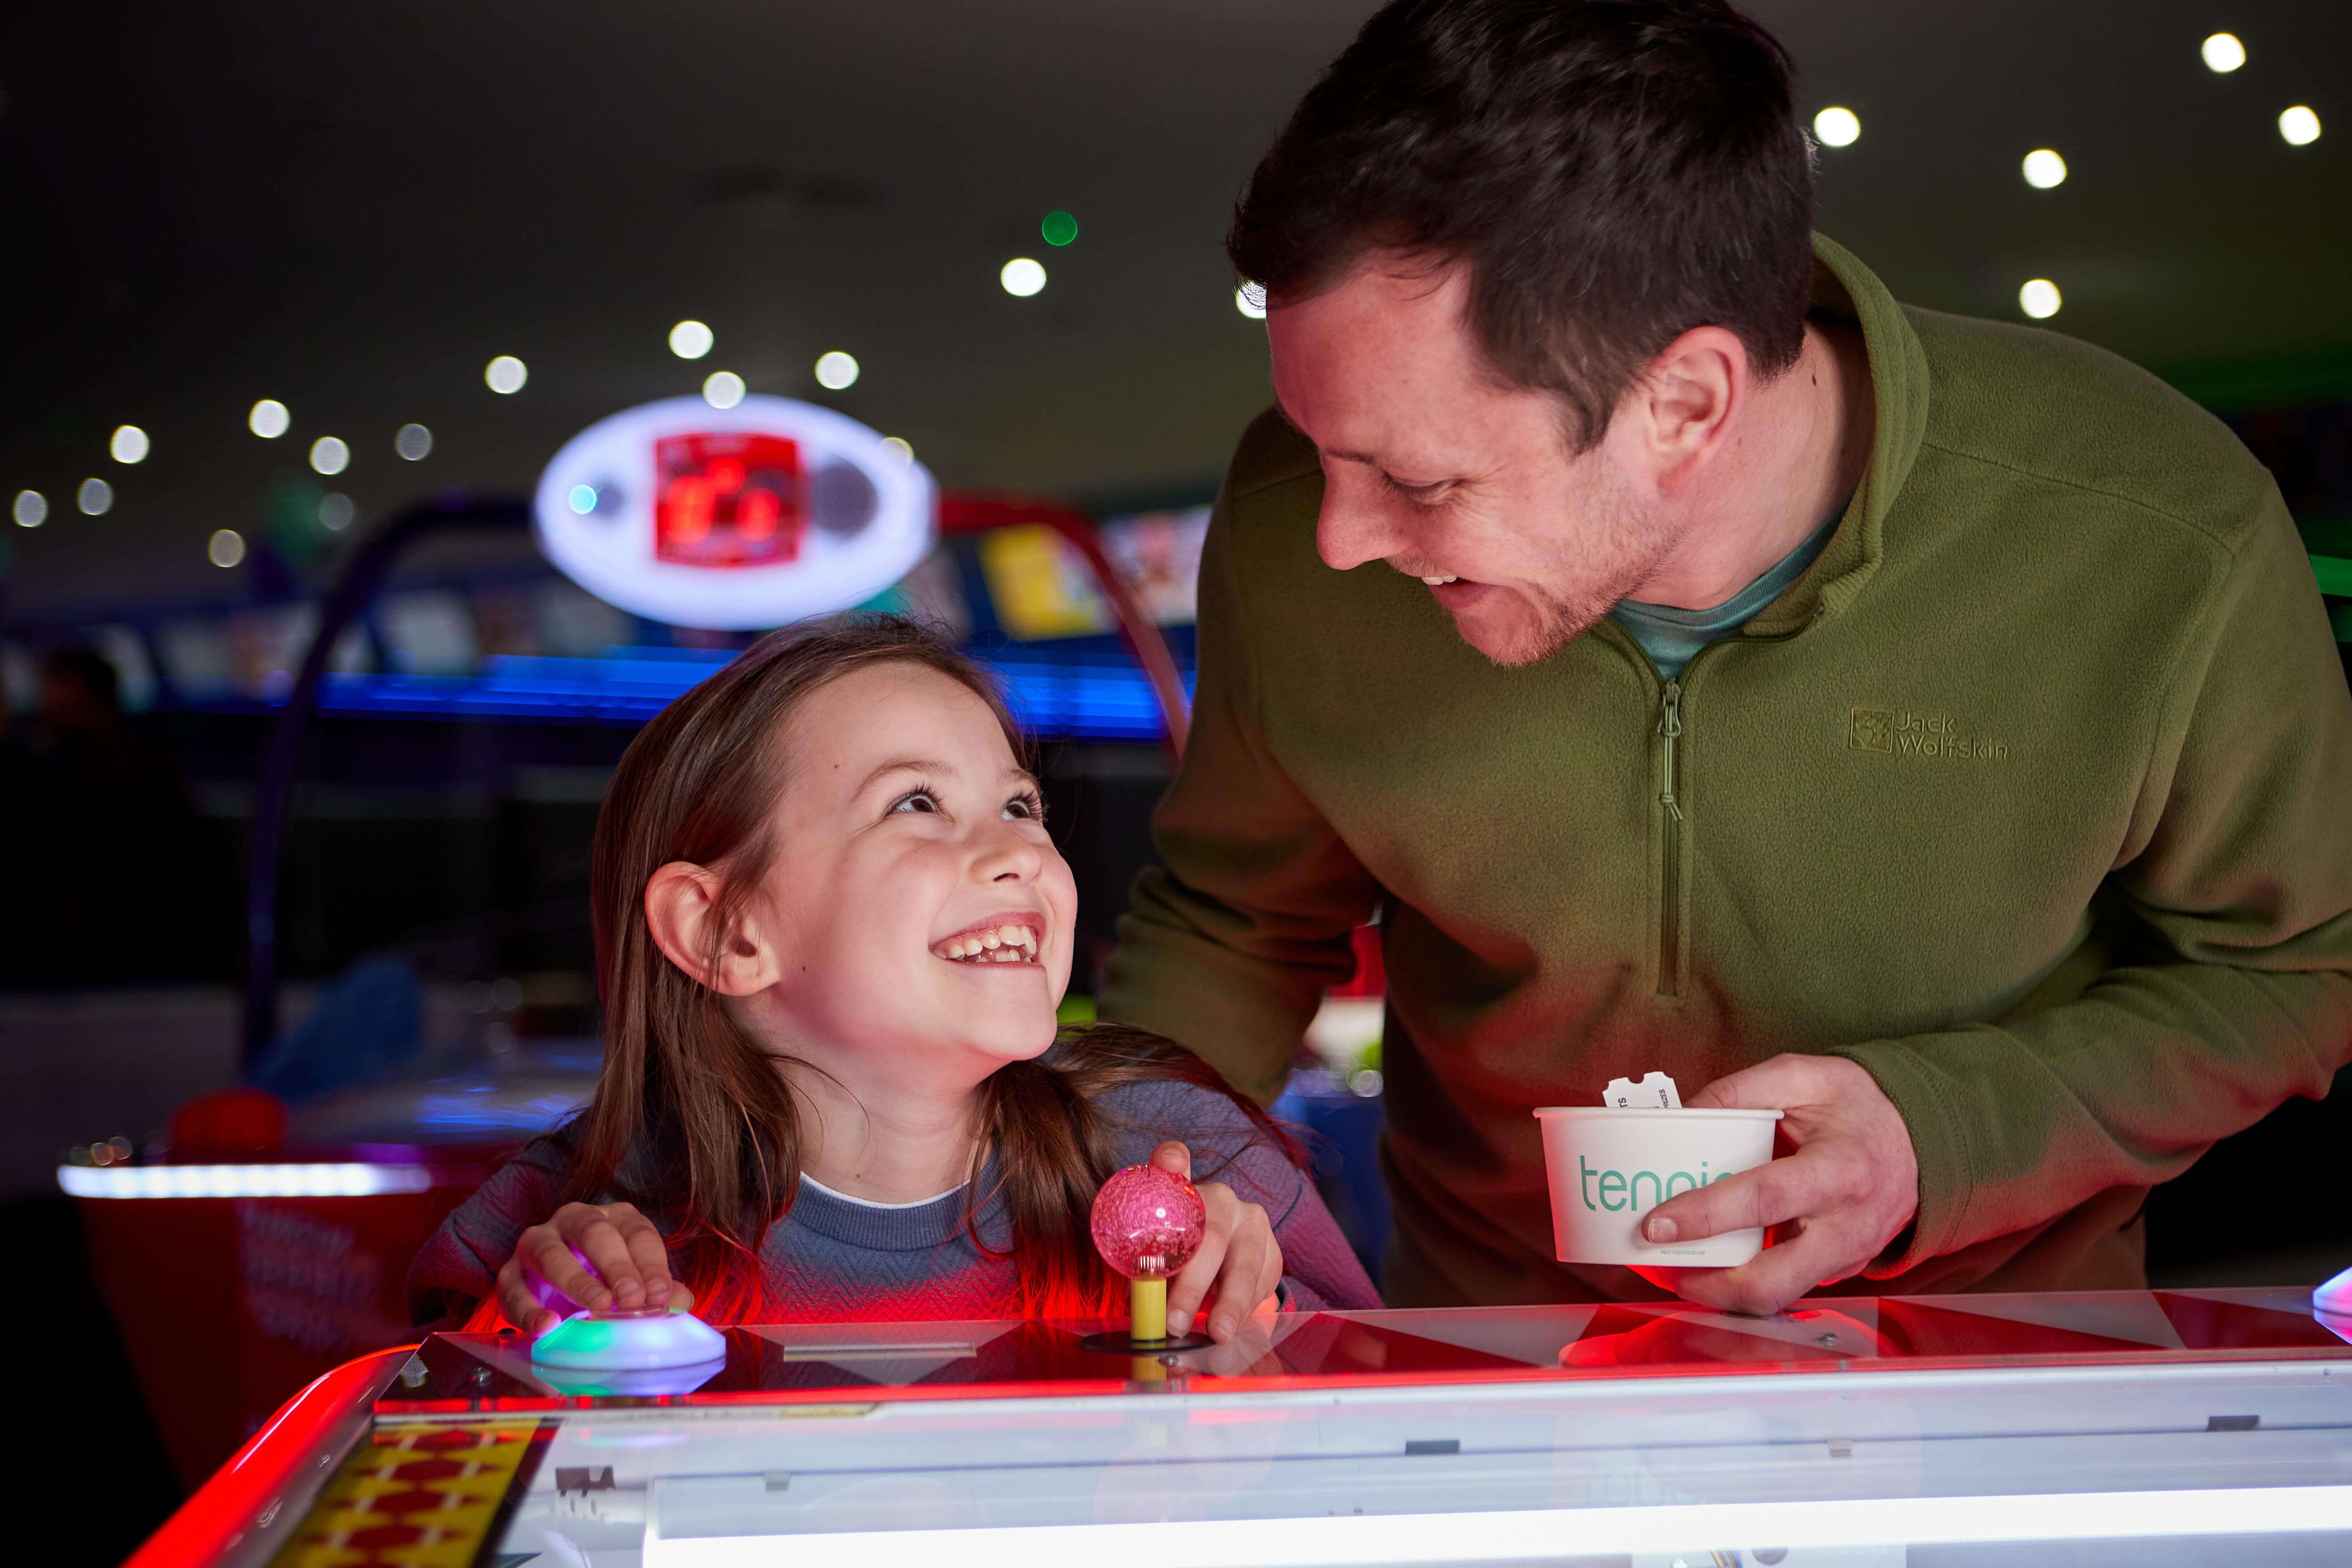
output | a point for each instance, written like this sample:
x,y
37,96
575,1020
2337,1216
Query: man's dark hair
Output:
x,y
1614,173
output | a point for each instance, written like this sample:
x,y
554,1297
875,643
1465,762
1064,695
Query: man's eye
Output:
x,y
920,800
1425,495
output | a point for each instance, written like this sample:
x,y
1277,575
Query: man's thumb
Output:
x,y
1723,1094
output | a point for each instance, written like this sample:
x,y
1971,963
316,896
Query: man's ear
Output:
x,y
1686,399
681,907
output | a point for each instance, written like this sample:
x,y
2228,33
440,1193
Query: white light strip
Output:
x,y
336,1180
1537,1535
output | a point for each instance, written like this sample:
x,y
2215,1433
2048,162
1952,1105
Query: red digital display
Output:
x,y
733,499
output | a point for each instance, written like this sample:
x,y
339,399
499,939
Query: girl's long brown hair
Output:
x,y
692,1120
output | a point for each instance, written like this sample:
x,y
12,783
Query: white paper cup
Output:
x,y
1608,1168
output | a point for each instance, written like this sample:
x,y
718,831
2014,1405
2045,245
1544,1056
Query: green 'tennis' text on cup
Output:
x,y
1618,1192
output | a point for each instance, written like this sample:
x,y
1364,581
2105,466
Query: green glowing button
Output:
x,y
1059,228
627,1341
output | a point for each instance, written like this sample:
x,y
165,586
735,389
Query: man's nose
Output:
x,y
1348,534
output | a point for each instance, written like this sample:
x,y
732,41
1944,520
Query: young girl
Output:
x,y
831,936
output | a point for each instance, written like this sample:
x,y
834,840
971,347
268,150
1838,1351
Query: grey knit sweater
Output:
x,y
834,1259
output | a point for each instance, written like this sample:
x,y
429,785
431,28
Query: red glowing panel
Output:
x,y
733,499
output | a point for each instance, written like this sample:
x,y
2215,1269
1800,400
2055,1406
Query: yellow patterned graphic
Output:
x,y
413,1497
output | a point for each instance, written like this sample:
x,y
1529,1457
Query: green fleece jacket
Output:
x,y
2032,796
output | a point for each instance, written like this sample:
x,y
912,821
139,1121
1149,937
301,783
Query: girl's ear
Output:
x,y
681,905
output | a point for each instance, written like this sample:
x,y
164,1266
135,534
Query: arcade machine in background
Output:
x,y
280,1241
1334,1097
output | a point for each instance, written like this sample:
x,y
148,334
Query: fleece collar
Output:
x,y
1845,288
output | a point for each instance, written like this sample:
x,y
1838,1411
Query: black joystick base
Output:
x,y
1118,1342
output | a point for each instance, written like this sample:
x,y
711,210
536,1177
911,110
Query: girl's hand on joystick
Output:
x,y
1239,1258
597,1255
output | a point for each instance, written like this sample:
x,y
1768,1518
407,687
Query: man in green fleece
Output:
x,y
1700,661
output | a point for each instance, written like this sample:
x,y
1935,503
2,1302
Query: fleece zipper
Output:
x,y
1670,889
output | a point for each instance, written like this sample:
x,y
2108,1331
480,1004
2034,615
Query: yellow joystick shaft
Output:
x,y
1147,1310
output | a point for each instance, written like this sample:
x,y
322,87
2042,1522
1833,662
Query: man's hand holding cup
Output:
x,y
1850,1187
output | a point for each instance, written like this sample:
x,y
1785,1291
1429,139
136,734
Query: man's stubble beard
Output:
x,y
1628,548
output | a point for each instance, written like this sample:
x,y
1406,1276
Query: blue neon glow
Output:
x,y
582,498
1065,694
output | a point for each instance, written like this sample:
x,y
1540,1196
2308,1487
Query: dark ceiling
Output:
x,y
351,208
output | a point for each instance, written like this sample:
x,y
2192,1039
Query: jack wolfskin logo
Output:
x,y
1871,729
1936,736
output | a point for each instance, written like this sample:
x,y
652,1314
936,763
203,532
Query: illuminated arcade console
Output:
x,y
2165,1427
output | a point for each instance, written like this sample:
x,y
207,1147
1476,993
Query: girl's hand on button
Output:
x,y
596,1256
1239,1263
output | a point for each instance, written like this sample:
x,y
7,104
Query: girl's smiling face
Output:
x,y
916,917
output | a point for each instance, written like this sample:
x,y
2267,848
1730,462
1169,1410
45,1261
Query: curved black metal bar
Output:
x,y
363,577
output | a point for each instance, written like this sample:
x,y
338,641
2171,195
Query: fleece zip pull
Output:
x,y
1670,898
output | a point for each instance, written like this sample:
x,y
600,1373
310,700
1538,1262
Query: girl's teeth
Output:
x,y
999,944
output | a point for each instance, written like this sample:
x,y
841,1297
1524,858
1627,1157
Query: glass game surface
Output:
x,y
2141,1427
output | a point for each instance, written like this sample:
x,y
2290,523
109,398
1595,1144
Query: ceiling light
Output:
x,y
414,442
1021,276
2039,299
336,511
2299,125
329,454
1835,127
225,547
2222,53
94,497
1059,228
691,339
1250,300
723,389
505,375
2044,168
268,419
836,371
581,499
129,444
899,448
31,509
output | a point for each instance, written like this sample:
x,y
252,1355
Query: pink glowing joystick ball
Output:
x,y
1147,1224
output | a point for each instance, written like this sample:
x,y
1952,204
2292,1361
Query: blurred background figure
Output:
x,y
107,870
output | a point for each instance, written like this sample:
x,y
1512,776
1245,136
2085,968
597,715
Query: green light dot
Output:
x,y
1059,228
